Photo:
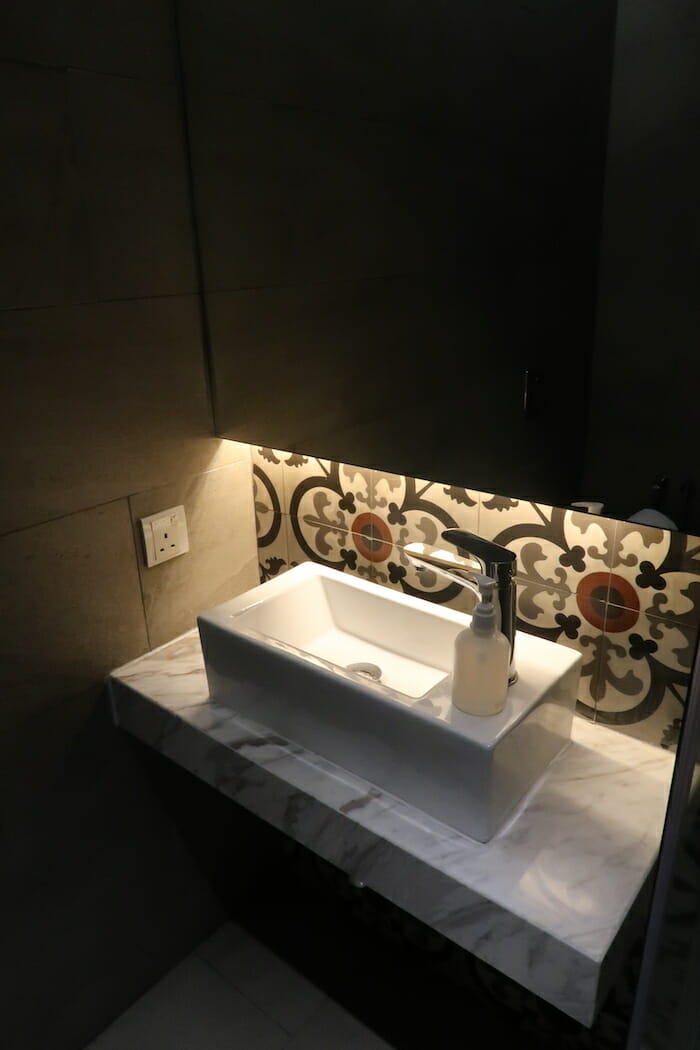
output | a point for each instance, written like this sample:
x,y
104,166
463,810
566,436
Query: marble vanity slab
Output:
x,y
544,902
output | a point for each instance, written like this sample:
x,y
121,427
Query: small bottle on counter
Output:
x,y
482,658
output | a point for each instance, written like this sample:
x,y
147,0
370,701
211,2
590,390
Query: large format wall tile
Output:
x,y
40,214
98,402
127,148
222,560
131,38
106,400
94,205
70,609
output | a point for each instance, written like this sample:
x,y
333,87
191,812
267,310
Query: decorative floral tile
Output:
x,y
661,568
409,510
269,521
327,544
268,490
644,674
273,558
565,549
301,482
626,596
329,493
557,616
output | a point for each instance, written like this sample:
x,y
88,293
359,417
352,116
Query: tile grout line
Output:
x,y
67,67
239,991
62,517
117,499
138,556
73,303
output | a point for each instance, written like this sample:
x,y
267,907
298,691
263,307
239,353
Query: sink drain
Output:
x,y
367,670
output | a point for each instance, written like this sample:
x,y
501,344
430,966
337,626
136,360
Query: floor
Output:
x,y
234,993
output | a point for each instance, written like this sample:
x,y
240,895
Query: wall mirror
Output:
x,y
422,247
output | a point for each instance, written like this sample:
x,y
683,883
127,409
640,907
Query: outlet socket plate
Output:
x,y
165,535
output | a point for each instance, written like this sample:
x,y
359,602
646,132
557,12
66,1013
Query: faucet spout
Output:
x,y
445,563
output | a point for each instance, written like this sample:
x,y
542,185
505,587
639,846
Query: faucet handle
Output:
x,y
488,553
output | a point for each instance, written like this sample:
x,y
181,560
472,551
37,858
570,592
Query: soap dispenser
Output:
x,y
482,658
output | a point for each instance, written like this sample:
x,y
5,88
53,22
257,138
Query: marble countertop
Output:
x,y
545,901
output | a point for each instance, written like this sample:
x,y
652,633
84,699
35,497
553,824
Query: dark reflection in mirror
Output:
x,y
454,240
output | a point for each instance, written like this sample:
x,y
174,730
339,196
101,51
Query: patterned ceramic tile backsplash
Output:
x,y
626,596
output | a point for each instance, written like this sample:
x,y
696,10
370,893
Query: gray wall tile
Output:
x,y
132,38
106,400
94,205
70,608
99,402
39,210
129,156
222,559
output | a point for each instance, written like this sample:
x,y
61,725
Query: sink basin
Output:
x,y
360,674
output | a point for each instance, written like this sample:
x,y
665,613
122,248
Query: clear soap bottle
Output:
x,y
482,658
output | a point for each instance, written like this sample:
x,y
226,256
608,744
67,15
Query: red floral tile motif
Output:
x,y
556,616
663,568
554,547
325,506
326,545
619,573
374,537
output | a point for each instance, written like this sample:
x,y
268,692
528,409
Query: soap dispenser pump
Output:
x,y
481,658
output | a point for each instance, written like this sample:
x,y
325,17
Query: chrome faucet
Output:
x,y
475,555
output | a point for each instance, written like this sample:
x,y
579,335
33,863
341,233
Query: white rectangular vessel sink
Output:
x,y
360,674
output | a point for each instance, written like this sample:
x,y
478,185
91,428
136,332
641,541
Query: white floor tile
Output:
x,y
192,1008
263,977
332,1028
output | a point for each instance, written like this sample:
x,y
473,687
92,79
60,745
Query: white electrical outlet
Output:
x,y
165,535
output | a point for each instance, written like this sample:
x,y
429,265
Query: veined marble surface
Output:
x,y
543,902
